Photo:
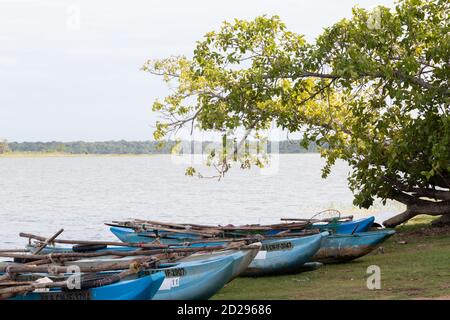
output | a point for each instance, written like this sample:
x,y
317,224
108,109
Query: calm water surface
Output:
x,y
43,194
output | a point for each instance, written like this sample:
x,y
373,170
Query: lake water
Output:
x,y
42,194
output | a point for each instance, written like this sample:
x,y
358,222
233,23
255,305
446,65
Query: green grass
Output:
x,y
419,268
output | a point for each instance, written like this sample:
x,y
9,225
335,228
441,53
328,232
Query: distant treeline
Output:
x,y
132,147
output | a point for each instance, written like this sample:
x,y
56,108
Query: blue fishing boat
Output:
x,y
346,247
277,256
198,276
142,288
51,248
243,258
196,280
348,227
167,237
130,236
243,255
282,256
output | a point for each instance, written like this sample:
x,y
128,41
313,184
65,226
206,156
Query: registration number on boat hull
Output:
x,y
73,295
277,246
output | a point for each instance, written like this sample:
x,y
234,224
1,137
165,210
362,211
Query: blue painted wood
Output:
x,y
291,254
283,260
360,225
346,247
197,280
129,236
68,249
287,255
143,288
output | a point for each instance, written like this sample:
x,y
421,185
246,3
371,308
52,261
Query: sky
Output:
x,y
69,69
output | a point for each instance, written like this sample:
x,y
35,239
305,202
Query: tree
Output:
x,y
372,90
3,146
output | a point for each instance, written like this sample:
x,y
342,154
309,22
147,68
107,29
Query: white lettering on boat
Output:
x,y
170,283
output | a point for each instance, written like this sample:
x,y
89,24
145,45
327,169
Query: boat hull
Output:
x,y
354,226
277,256
143,288
129,236
339,248
283,256
196,280
241,262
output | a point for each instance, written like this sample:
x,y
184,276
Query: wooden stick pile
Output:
x,y
26,276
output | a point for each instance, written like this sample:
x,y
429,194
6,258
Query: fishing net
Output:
x,y
329,218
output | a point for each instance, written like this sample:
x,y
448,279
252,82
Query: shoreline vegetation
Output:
x,y
123,148
413,264
31,154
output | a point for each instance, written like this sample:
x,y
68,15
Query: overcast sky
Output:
x,y
67,77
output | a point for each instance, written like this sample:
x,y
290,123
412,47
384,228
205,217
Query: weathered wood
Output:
x,y
202,230
47,241
18,289
253,238
215,230
15,283
161,226
13,250
15,290
56,256
119,265
87,242
346,218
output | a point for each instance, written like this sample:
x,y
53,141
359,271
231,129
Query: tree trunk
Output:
x,y
399,219
442,221
420,207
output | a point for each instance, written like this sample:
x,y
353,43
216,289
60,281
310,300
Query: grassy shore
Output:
x,y
415,264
